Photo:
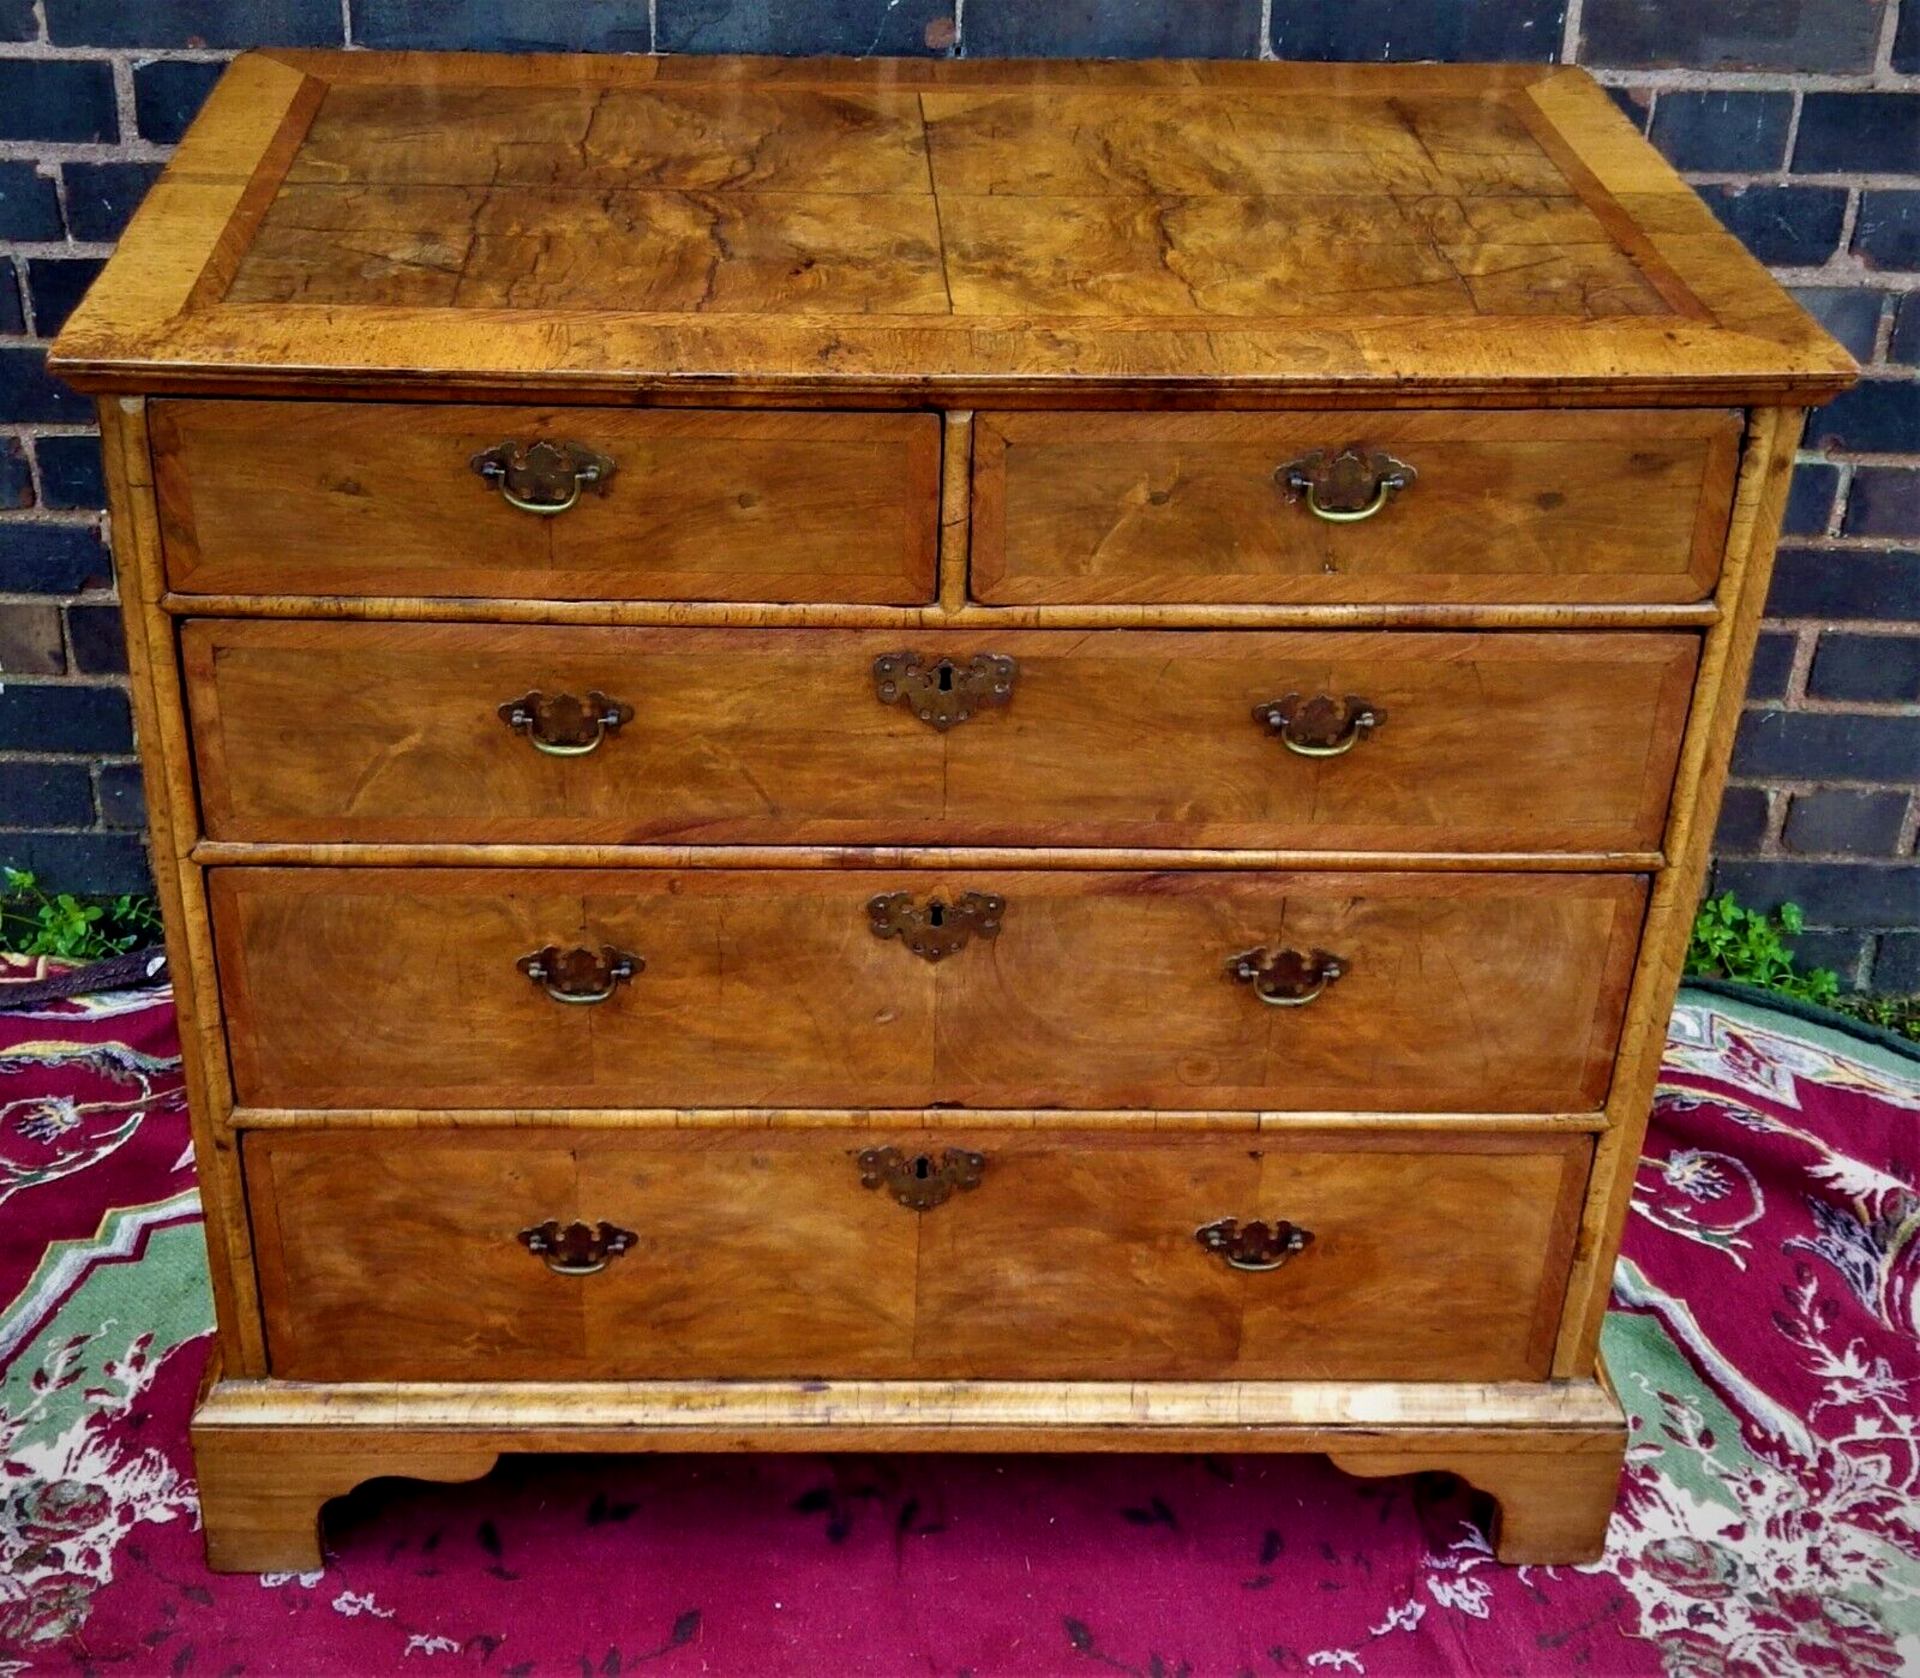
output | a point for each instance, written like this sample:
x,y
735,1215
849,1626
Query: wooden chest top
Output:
x,y
899,232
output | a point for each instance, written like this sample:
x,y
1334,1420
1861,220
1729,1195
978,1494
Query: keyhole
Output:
x,y
922,1167
936,913
946,678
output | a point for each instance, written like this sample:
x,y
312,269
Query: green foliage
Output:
x,y
1749,945
34,922
1898,1014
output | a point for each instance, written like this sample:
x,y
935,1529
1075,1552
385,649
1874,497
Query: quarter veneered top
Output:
x,y
907,230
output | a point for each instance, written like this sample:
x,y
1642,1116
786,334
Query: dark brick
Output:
x,y
42,717
29,203
59,98
99,644
1904,345
1828,746
1130,28
1871,133
70,472
1865,667
1840,894
530,26
30,643
1887,235
1896,964
52,558
1884,500
1478,30
1877,416
1772,665
1851,316
1836,823
168,93
194,23
1842,953
39,794
101,197
1789,226
1743,821
1634,104
1811,498
13,316
1906,42
1811,583
56,287
29,392
16,476
1723,131
86,863
1731,34
120,795
45,795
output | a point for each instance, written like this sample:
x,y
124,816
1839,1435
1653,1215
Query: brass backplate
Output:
x,y
936,929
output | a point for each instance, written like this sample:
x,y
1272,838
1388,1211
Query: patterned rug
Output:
x,y
1764,1342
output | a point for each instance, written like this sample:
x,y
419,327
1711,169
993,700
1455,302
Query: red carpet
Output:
x,y
1765,1343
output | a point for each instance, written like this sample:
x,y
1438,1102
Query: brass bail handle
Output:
x,y
1323,726
1286,978
1256,1245
563,726
581,977
576,1249
543,477
1346,486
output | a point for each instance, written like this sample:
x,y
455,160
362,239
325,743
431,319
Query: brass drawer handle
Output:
x,y
919,1181
542,477
1253,1246
1348,486
1322,726
938,691
576,1249
940,928
562,726
581,976
1286,978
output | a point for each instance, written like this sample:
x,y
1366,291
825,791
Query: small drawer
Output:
x,y
478,988
556,1255
621,504
1457,508
1420,742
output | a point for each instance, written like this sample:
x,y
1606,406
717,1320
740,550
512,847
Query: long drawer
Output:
x,y
1590,505
400,499
1423,742
394,987
425,1255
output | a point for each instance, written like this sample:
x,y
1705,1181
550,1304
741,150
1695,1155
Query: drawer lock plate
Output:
x,y
941,693
939,928
920,1181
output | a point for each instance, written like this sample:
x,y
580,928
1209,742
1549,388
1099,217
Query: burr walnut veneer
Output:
x,y
958,755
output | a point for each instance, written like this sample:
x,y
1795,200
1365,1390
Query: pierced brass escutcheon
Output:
x,y
543,477
919,1181
1348,485
935,932
562,726
941,693
581,976
1322,726
576,1249
1286,978
1253,1246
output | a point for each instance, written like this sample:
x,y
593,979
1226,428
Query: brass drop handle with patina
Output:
x,y
1347,485
576,1249
562,726
543,477
1255,1245
1286,978
1322,726
580,976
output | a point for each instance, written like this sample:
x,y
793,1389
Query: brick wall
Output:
x,y
1798,119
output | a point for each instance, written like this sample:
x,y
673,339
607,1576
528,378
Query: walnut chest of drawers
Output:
x,y
927,755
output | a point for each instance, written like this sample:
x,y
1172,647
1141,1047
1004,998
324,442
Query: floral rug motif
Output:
x,y
1764,1341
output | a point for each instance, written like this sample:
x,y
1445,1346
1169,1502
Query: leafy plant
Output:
x,y
36,922
1898,1014
1731,941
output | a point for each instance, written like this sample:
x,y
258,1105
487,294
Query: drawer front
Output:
x,y
399,1256
1497,507
391,987
383,499
341,732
